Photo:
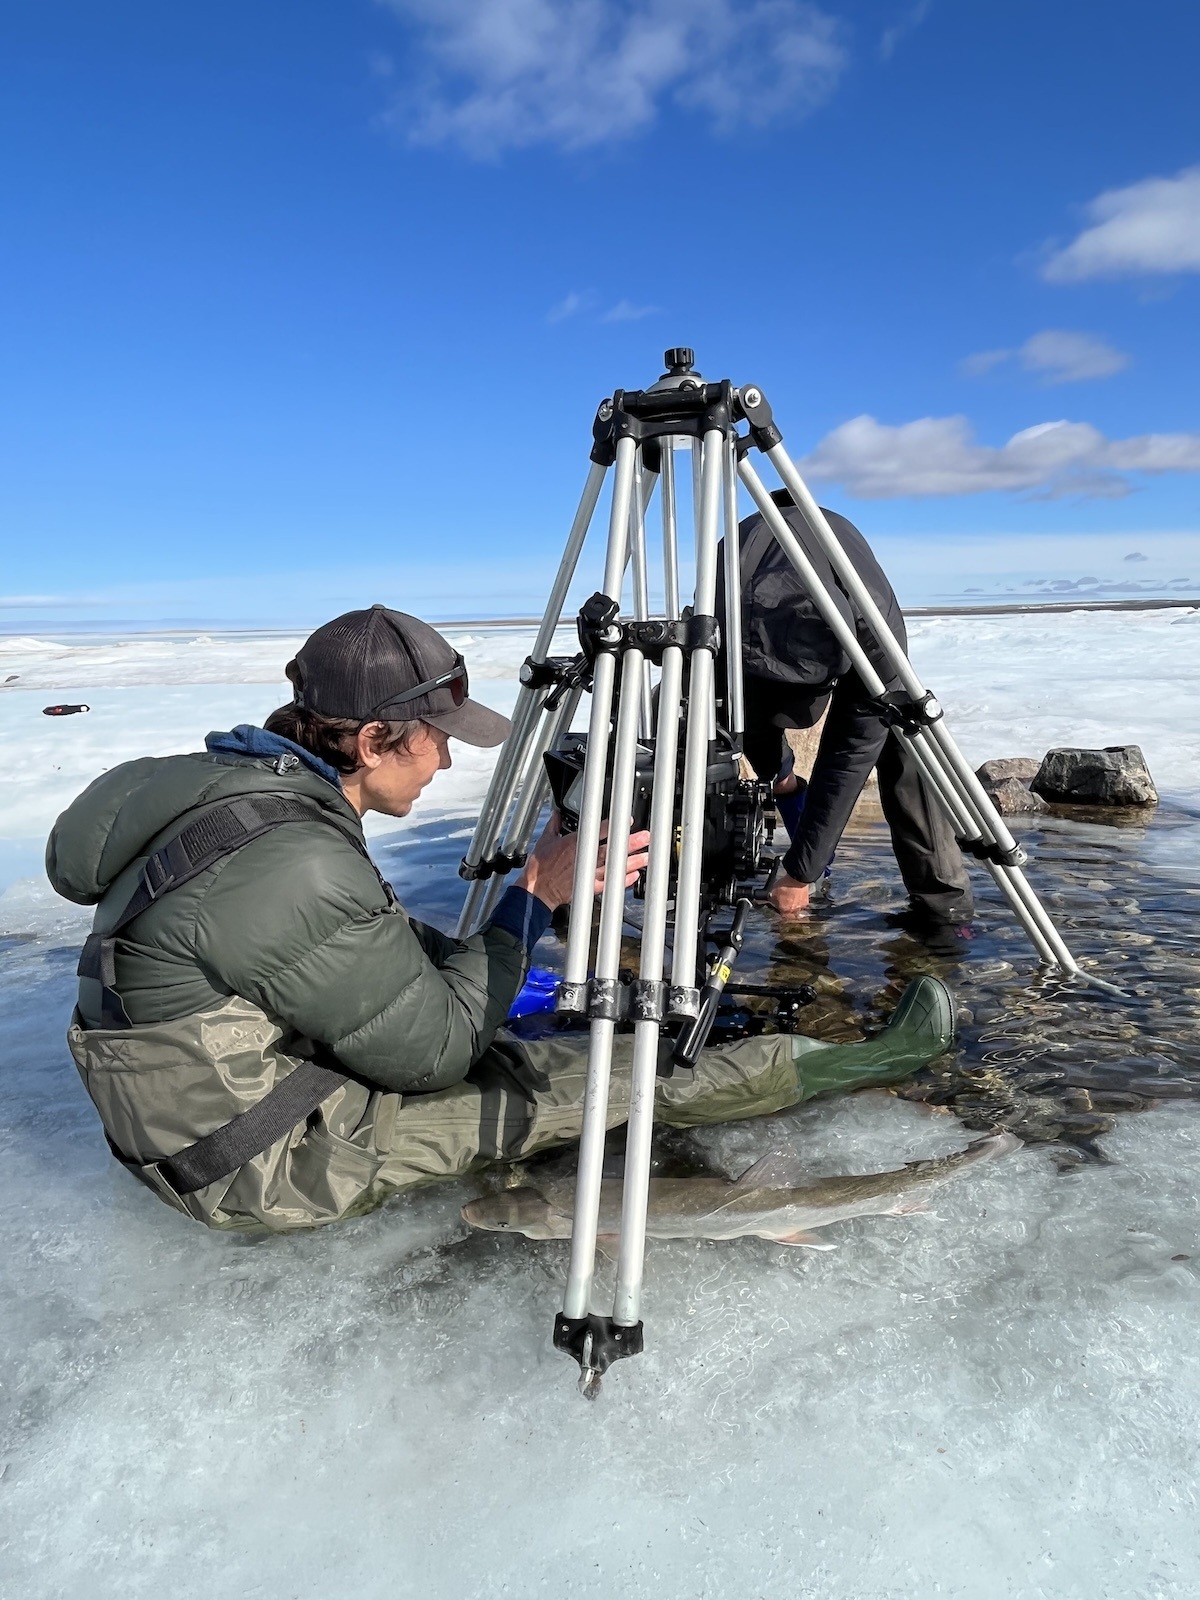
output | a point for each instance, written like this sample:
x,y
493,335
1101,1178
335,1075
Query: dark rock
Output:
x,y
1007,782
1114,776
1011,798
1023,768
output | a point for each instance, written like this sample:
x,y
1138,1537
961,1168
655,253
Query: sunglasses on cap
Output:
x,y
455,680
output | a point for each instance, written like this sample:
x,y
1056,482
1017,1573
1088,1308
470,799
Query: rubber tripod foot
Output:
x,y
595,1343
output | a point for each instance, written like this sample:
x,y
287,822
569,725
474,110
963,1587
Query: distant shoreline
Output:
x,y
1015,608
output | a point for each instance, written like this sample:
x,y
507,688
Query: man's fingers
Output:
x,y
638,844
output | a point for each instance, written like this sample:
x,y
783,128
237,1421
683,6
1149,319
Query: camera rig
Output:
x,y
707,823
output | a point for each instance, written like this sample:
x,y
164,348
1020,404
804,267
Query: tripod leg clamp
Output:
x,y
572,999
501,863
899,710
989,850
649,1000
684,1002
605,1000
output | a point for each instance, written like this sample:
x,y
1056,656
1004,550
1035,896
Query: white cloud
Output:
x,y
1149,227
939,456
1059,355
1065,357
568,306
507,74
911,19
626,311
980,364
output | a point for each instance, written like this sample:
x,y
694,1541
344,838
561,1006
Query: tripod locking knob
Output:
x,y
679,361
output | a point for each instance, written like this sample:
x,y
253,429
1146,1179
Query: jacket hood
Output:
x,y
121,815
247,740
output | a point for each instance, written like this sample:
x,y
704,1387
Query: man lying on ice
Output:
x,y
267,1035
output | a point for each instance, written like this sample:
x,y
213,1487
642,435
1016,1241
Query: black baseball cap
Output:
x,y
383,664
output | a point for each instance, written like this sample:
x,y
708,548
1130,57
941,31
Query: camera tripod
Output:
x,y
639,435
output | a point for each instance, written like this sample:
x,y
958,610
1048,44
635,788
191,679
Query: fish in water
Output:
x,y
767,1202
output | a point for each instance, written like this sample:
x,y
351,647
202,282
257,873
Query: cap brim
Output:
x,y
472,723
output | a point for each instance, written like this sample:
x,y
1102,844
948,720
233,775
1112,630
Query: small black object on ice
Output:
x,y
63,711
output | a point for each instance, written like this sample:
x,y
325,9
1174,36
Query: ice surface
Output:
x,y
999,1400
1011,686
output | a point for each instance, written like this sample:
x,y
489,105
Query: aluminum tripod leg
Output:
x,y
641,579
573,992
934,740
583,894
535,791
640,1132
514,753
735,703
684,989
966,828
604,997
670,532
958,771
512,764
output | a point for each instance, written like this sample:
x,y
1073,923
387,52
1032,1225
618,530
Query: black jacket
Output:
x,y
784,637
794,664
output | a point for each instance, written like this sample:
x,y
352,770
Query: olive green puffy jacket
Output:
x,y
292,934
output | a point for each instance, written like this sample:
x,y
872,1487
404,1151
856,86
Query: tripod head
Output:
x,y
681,373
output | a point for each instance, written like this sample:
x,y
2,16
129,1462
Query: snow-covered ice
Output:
x,y
1002,1400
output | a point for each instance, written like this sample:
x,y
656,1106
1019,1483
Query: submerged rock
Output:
x,y
1007,782
1114,776
1011,798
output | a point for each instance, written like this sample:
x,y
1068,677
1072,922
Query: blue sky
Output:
x,y
310,305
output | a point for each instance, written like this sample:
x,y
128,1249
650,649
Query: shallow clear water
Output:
x,y
1053,1062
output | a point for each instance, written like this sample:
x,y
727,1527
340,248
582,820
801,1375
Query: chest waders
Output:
x,y
216,833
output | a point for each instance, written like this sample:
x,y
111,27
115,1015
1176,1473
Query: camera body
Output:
x,y
737,823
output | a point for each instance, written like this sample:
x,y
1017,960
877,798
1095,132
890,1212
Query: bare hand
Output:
x,y
789,896
635,860
550,871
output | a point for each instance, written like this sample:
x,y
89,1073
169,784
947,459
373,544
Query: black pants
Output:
x,y
854,740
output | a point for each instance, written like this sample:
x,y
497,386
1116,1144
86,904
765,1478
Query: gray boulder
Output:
x,y
1007,783
1114,776
1012,798
1023,768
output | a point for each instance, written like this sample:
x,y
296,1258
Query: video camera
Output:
x,y
738,826
738,823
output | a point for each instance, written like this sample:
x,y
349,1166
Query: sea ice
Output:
x,y
998,1400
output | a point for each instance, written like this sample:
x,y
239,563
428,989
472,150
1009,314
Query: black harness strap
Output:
x,y
214,834
291,1102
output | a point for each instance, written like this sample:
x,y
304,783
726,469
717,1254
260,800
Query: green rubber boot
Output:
x,y
919,1030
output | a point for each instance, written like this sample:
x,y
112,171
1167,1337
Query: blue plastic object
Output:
x,y
537,994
